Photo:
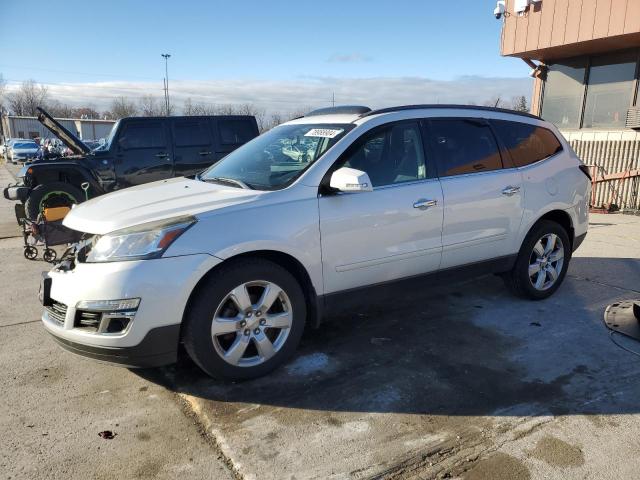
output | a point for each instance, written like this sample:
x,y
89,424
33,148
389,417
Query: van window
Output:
x,y
390,155
234,132
189,133
526,143
142,135
463,146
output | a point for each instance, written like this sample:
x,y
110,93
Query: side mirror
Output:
x,y
350,180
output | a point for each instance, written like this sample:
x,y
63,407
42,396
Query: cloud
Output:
x,y
292,95
348,58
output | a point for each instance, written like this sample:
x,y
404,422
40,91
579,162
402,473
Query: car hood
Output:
x,y
68,138
154,201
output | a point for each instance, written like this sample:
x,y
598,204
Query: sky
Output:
x,y
279,55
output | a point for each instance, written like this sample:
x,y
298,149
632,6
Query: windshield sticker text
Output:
x,y
323,133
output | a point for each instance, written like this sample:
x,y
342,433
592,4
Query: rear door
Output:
x,y
483,200
233,132
193,145
143,153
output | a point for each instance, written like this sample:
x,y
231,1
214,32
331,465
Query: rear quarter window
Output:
x,y
527,143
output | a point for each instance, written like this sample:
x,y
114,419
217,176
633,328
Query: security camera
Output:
x,y
500,9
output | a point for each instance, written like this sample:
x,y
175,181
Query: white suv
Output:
x,y
234,263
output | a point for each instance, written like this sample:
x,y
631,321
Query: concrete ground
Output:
x,y
459,381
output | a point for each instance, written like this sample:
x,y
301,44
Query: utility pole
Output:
x,y
166,81
333,99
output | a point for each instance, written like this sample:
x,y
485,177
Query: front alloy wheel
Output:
x,y
252,323
245,319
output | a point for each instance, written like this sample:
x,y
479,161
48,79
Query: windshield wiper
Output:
x,y
229,181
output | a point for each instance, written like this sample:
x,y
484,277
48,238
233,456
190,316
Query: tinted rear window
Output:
x,y
234,132
191,133
463,146
527,143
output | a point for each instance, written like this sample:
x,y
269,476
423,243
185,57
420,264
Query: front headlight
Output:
x,y
149,240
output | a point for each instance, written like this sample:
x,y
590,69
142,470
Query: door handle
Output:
x,y
510,190
161,155
204,153
423,204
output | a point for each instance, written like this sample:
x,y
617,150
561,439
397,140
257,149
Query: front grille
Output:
x,y
57,312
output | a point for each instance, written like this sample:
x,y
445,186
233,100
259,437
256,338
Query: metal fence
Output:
x,y
614,159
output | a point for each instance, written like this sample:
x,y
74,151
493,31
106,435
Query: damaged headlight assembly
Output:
x,y
149,240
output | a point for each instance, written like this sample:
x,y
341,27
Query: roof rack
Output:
x,y
448,106
343,109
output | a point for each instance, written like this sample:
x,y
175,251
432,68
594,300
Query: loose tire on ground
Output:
x,y
211,296
519,281
56,193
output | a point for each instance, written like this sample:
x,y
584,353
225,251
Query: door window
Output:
x,y
391,155
191,133
235,132
147,135
526,143
464,146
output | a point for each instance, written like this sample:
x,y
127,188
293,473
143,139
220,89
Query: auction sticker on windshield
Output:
x,y
323,132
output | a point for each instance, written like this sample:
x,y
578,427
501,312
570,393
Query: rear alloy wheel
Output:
x,y
542,262
546,262
246,320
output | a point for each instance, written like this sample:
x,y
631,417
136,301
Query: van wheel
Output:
x,y
542,262
54,194
245,320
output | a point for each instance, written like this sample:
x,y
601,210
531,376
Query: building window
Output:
x,y
563,94
610,91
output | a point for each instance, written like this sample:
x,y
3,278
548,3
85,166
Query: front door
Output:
x,y
194,149
393,231
143,154
483,200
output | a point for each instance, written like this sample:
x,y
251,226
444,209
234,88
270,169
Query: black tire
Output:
x,y
196,330
59,194
518,280
49,255
30,252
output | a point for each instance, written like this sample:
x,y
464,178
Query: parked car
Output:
x,y
22,151
301,220
138,150
4,148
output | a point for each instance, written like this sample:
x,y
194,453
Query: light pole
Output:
x,y
166,81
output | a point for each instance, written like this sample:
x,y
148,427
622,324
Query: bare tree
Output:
x,y
519,104
3,88
149,106
122,107
86,112
187,108
28,96
60,110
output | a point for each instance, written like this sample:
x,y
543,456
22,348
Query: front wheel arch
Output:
x,y
289,263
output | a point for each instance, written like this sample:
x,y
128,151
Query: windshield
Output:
x,y
276,158
112,133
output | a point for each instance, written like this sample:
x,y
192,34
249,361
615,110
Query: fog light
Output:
x,y
109,305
